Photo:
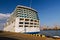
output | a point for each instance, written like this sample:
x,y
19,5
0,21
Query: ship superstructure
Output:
x,y
24,20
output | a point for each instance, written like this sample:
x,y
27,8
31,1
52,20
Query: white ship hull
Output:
x,y
23,20
28,30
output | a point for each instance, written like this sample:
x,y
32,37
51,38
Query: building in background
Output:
x,y
24,20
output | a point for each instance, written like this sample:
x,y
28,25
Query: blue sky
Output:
x,y
48,10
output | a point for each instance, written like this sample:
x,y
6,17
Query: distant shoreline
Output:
x,y
51,29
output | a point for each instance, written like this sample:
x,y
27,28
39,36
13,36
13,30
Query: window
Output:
x,y
20,25
20,22
26,19
34,26
19,12
29,13
21,19
31,20
30,17
24,10
35,23
21,16
31,23
31,26
26,22
35,20
25,16
12,21
26,26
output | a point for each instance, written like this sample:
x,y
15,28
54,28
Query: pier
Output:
x,y
19,36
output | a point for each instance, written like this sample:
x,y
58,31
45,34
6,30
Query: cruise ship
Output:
x,y
23,20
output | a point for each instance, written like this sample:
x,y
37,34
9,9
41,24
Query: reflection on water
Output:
x,y
50,32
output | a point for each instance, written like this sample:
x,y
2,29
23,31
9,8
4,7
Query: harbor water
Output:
x,y
50,32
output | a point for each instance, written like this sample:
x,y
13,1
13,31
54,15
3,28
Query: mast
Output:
x,y
30,3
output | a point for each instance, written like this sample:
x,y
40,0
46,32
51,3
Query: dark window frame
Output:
x,y
20,22
20,25
26,22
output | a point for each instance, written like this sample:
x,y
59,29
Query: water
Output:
x,y
50,32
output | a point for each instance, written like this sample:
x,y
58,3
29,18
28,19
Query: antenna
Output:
x,y
30,3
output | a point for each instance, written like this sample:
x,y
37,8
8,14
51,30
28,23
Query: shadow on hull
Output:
x,y
32,32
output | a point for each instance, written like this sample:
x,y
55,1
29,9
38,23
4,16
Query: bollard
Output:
x,y
38,35
43,35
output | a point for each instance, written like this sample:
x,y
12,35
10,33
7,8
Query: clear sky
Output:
x,y
48,10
